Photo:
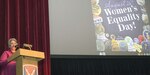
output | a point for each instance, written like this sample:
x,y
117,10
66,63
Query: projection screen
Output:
x,y
99,27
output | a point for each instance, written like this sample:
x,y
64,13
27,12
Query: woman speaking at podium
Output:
x,y
8,68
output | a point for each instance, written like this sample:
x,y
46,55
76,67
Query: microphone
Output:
x,y
17,47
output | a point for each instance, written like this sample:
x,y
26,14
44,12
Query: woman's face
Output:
x,y
13,44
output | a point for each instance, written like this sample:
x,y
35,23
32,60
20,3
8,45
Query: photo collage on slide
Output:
x,y
121,27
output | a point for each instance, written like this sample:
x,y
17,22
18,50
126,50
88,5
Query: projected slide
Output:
x,y
121,27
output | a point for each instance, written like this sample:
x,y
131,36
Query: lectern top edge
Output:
x,y
27,53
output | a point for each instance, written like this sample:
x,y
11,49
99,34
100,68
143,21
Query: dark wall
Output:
x,y
101,65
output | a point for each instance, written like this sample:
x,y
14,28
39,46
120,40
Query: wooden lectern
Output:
x,y
26,61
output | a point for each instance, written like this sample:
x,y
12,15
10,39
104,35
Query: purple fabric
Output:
x,y
7,68
28,22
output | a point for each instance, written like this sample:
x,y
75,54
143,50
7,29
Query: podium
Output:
x,y
26,61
